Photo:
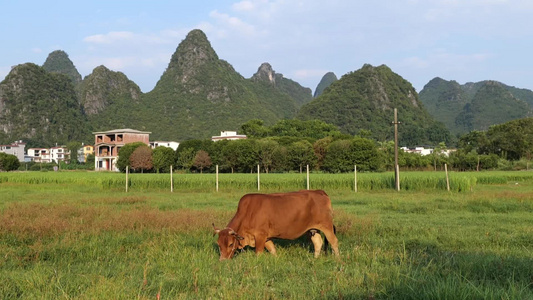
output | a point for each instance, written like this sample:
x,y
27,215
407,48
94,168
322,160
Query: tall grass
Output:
x,y
410,181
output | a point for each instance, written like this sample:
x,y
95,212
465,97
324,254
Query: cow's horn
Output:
x,y
215,229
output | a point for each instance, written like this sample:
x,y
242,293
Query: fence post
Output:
x,y
307,177
217,177
398,178
258,179
355,178
447,178
127,171
171,180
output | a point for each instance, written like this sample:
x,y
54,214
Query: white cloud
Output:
x,y
233,24
109,38
36,50
127,37
245,6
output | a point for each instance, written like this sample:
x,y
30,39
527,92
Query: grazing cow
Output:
x,y
263,217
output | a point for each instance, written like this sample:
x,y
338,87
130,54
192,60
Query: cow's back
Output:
x,y
284,215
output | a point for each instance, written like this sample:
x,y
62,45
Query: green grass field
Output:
x,y
80,236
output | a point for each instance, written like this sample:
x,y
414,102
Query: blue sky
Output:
x,y
462,40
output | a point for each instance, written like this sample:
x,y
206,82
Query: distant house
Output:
x,y
16,148
59,153
426,151
47,155
228,135
173,145
83,152
107,144
39,154
418,150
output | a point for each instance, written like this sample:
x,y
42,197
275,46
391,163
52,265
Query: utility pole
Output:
x,y
396,166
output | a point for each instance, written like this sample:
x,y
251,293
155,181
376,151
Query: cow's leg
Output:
x,y
317,242
332,239
270,247
260,244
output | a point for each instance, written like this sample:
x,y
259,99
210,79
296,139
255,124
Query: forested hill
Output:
x,y
59,62
266,75
324,83
475,106
362,102
40,108
199,95
110,100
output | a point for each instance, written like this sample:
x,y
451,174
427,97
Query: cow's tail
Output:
x,y
326,239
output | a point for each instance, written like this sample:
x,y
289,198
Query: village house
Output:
x,y
108,143
39,155
59,153
84,151
48,155
16,148
426,151
172,145
228,135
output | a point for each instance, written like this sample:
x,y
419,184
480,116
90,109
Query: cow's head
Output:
x,y
228,242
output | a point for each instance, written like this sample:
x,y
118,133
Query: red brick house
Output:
x,y
107,144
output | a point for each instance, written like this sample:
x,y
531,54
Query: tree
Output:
x,y
230,154
124,154
320,148
248,154
342,155
141,158
438,155
90,160
185,158
202,160
254,128
72,148
162,159
266,149
8,162
301,154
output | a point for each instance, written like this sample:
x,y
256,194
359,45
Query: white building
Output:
x,y
16,148
58,154
173,145
424,151
39,154
419,150
228,135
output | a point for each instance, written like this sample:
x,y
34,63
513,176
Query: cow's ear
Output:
x,y
216,230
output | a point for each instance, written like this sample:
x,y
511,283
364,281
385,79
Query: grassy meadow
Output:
x,y
78,235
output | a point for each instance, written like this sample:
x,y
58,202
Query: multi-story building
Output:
x,y
59,153
16,148
39,154
84,151
107,144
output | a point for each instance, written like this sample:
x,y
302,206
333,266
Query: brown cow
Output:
x,y
263,217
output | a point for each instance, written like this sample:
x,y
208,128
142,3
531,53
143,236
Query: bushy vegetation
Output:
x,y
8,162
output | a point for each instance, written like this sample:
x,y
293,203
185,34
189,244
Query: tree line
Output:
x,y
291,145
